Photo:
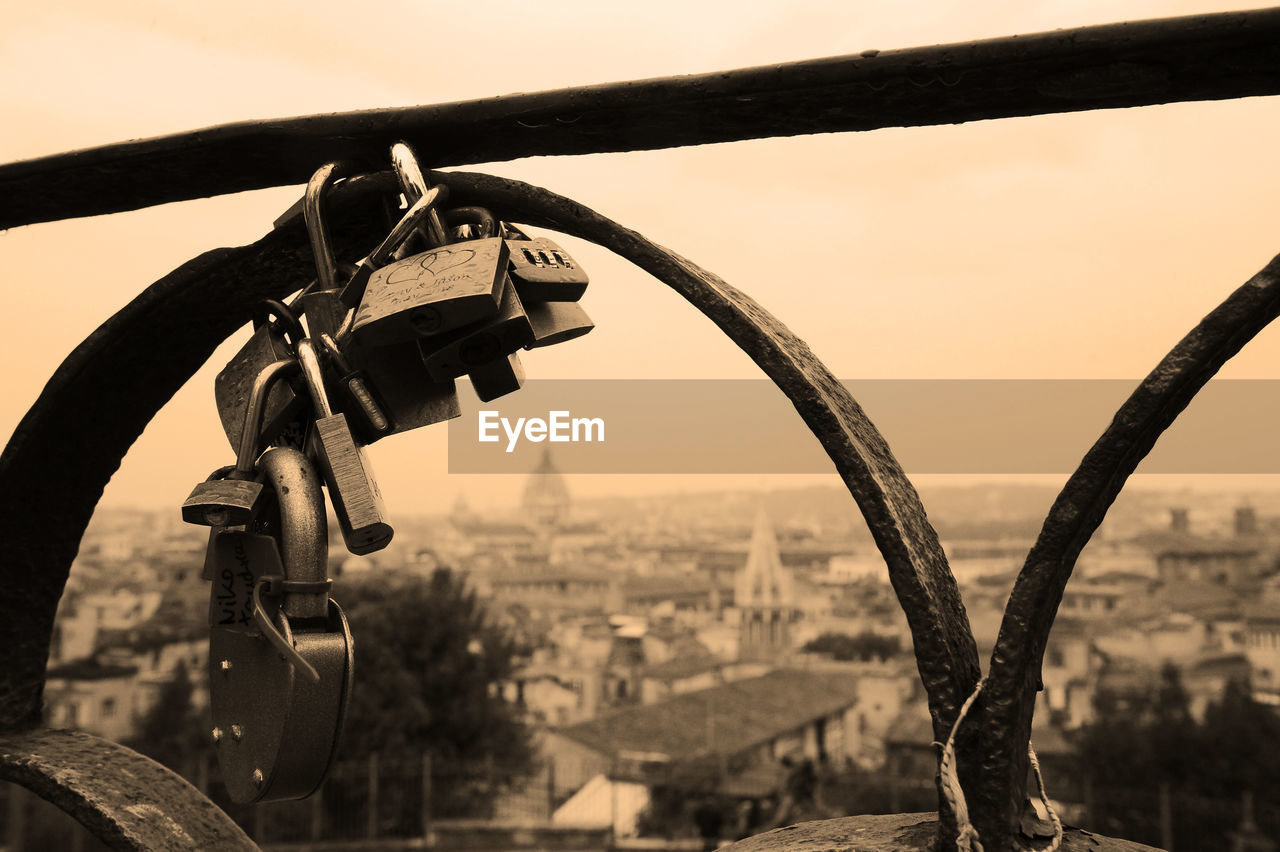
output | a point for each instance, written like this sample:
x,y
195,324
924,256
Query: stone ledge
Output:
x,y
897,833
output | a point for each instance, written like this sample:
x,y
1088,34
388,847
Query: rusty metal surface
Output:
x,y
124,799
1203,57
1005,707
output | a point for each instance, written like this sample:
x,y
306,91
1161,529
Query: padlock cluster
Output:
x,y
364,351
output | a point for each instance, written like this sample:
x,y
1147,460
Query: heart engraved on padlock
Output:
x,y
278,695
433,292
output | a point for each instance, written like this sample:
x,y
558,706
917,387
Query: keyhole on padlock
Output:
x,y
425,320
216,517
480,349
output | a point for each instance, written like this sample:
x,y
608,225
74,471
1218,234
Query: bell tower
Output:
x,y
764,594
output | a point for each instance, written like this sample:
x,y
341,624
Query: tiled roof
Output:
x,y
727,719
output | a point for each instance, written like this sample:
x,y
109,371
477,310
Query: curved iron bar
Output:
x,y
1201,57
116,376
112,790
918,569
1007,702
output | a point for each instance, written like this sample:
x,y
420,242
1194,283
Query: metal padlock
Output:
x,y
354,395
233,496
278,695
545,272
460,352
556,322
392,377
432,293
353,490
497,378
410,397
276,331
236,560
435,291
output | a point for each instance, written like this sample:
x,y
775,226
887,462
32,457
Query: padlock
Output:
x,y
322,301
497,378
410,397
357,502
236,560
556,322
433,292
278,695
276,330
544,272
382,392
232,496
354,395
451,355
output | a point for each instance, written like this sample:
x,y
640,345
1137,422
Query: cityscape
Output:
x,y
696,667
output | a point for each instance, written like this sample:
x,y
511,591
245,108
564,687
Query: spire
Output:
x,y
546,497
764,582
765,597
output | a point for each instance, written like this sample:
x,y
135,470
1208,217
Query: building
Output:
x,y
546,496
100,698
725,739
1262,648
764,594
1219,562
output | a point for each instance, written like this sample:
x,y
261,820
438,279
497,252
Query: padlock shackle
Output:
x,y
254,413
304,529
415,186
481,217
334,353
313,375
423,208
285,323
313,207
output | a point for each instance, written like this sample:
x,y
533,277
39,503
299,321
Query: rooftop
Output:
x,y
727,719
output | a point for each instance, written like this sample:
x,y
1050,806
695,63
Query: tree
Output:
x,y
429,661
1143,740
1242,738
864,646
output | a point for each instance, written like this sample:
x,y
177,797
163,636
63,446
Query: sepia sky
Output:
x,y
1071,246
